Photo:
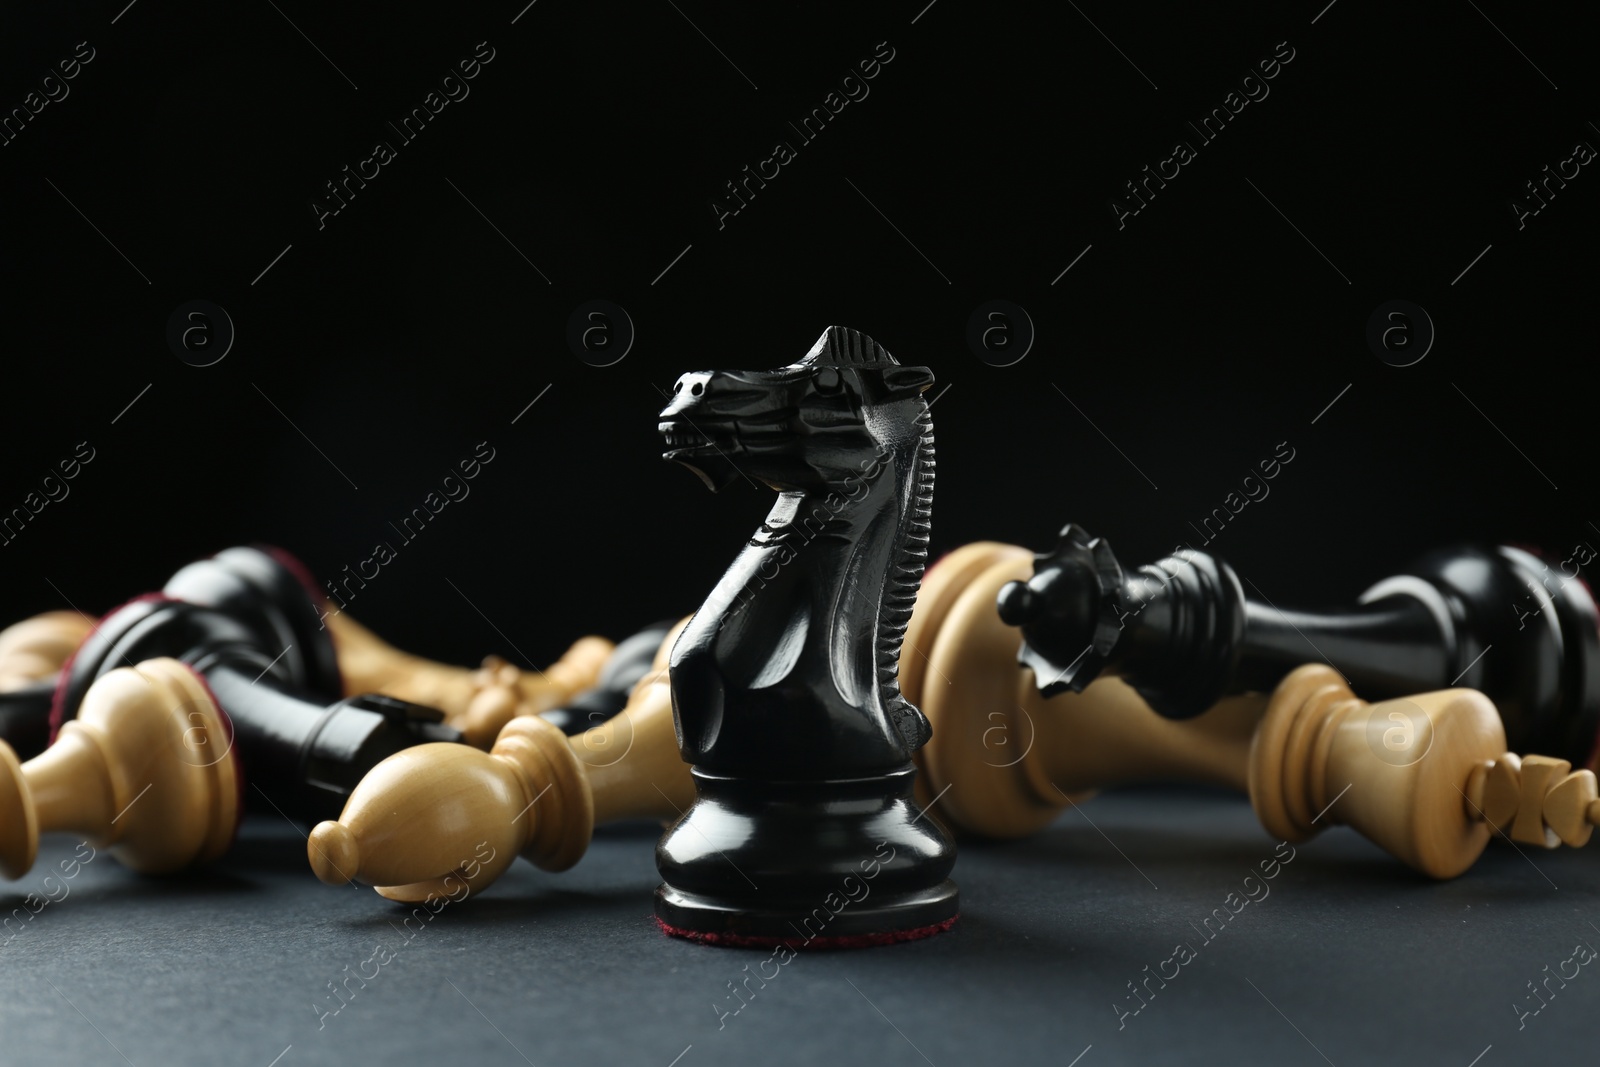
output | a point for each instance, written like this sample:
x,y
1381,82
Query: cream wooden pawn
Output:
x,y
36,648
145,769
415,821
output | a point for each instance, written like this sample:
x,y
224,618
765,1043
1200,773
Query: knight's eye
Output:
x,y
827,380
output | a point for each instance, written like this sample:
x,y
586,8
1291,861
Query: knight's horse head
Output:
x,y
802,427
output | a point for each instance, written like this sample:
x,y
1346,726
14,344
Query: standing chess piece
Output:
x,y
147,768
31,653
447,820
784,683
1184,634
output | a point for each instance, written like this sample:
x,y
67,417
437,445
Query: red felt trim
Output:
x,y
58,698
813,944
1594,755
1534,550
302,573
308,581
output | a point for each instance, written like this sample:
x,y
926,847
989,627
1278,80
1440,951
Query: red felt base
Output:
x,y
808,944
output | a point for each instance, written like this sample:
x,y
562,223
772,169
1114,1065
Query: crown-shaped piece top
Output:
x,y
1067,611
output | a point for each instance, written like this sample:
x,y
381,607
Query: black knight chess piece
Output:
x,y
1183,632
804,831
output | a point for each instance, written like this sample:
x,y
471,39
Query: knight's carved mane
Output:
x,y
782,647
903,581
849,348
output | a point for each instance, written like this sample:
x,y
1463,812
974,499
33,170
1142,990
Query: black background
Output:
x,y
408,330
1175,355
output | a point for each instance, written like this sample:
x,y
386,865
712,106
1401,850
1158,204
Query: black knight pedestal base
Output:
x,y
875,868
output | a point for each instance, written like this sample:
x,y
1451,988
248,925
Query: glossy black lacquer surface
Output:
x,y
300,747
784,683
25,717
270,591
1184,632
263,589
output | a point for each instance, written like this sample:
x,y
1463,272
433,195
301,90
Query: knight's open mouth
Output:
x,y
679,436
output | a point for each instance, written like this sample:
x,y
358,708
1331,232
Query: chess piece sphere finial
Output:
x,y
334,852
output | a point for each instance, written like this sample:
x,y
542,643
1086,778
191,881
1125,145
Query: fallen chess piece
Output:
x,y
150,764
472,700
300,751
629,663
1003,762
146,769
297,748
269,592
1183,632
537,793
1427,777
31,654
34,649
478,702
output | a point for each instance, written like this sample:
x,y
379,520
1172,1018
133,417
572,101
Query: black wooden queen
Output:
x,y
784,683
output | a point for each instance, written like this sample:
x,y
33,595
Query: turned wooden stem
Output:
x,y
478,702
36,648
146,768
1395,771
443,820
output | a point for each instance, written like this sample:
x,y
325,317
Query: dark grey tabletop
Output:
x,y
1344,957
